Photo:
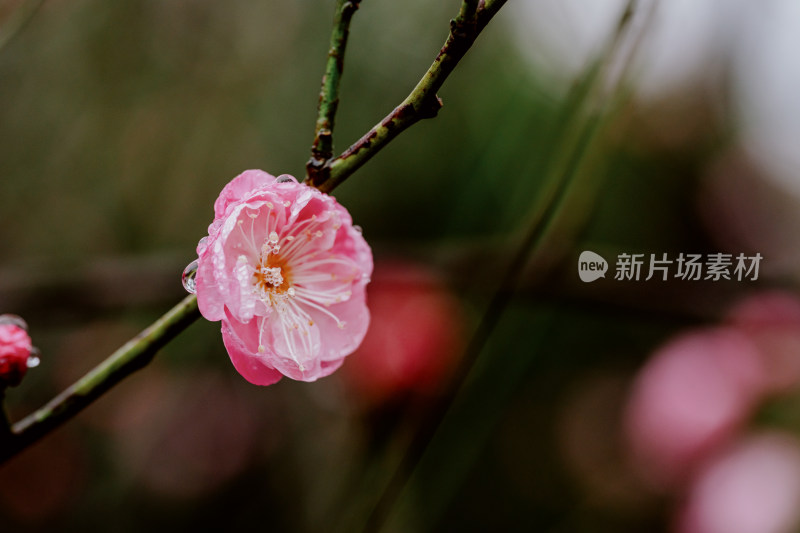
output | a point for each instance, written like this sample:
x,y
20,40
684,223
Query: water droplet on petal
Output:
x,y
202,241
14,320
33,359
188,277
285,178
358,229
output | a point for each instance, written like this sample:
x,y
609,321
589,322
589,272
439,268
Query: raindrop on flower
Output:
x,y
33,359
202,241
358,229
188,277
285,178
14,320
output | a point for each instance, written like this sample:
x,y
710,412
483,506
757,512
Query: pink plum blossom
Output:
x,y
751,487
285,271
690,398
15,349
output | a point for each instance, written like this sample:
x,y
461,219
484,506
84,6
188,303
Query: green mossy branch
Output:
x,y
132,356
420,104
322,148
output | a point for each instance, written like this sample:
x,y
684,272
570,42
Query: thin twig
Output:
x,y
420,104
468,9
322,148
132,356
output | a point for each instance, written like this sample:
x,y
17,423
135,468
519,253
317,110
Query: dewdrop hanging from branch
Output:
x,y
285,271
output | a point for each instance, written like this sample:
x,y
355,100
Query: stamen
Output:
x,y
297,230
261,334
322,309
249,238
272,276
325,297
329,261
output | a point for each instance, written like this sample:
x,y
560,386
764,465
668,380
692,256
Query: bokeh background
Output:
x,y
619,406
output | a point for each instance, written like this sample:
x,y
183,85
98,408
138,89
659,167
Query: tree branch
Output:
x,y
468,9
421,103
132,356
322,148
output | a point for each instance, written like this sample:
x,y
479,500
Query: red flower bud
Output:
x,y
15,349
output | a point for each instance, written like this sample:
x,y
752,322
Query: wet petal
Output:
x,y
252,368
285,270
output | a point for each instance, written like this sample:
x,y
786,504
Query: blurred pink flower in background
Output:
x,y
285,271
414,337
753,487
691,396
690,403
699,388
772,321
15,350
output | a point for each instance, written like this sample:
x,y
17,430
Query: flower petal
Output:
x,y
252,368
353,314
296,346
244,183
